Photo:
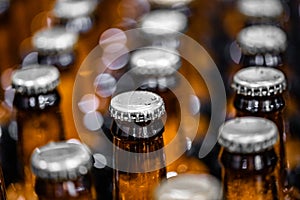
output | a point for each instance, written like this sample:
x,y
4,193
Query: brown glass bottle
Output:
x,y
37,103
151,74
55,46
259,92
56,178
248,158
139,163
75,16
162,27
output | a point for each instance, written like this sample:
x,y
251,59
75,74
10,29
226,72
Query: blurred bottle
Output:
x,y
139,159
163,27
75,15
38,116
55,46
62,171
155,70
236,15
189,187
248,158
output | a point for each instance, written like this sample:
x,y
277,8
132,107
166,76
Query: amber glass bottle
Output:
x,y
76,16
155,70
139,163
37,102
259,92
62,171
162,27
55,46
248,158
189,187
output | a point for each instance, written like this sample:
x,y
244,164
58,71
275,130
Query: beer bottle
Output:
x,y
262,45
155,70
259,92
162,27
139,163
37,103
189,187
62,171
55,46
248,158
76,16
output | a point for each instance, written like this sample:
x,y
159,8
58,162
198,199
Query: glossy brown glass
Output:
x,y
139,186
269,107
249,176
39,122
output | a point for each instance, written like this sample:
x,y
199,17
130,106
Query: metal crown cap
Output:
x,y
189,187
35,79
248,135
137,106
260,8
259,81
61,161
262,39
74,8
54,39
163,23
154,62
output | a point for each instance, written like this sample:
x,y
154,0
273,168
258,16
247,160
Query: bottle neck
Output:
x,y
273,21
137,131
78,189
81,24
267,59
62,60
252,173
37,102
262,105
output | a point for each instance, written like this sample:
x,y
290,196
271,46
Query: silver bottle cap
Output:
x,y
260,8
163,23
189,187
137,106
248,135
259,81
74,8
154,62
61,161
35,79
54,39
262,39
